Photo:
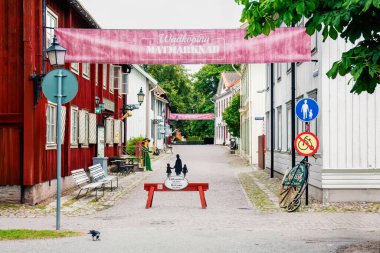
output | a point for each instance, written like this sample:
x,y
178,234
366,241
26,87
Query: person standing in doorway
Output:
x,y
178,166
184,170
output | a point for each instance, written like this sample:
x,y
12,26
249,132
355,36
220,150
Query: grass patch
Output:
x,y
258,198
27,234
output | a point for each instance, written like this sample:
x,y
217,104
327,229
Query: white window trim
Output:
x,y
74,67
278,71
52,13
111,79
86,130
104,80
86,71
51,145
74,144
96,74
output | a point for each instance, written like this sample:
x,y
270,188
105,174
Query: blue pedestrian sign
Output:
x,y
307,109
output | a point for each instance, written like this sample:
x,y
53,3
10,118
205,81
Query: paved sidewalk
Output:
x,y
176,221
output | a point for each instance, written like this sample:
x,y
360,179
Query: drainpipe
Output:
x,y
271,120
293,110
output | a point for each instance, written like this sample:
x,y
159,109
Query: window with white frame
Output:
x,y
124,84
279,128
268,75
51,23
267,128
74,126
289,125
74,67
104,76
111,79
86,70
96,75
83,128
288,67
314,43
51,125
278,71
115,78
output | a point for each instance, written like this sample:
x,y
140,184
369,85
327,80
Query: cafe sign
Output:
x,y
176,183
109,105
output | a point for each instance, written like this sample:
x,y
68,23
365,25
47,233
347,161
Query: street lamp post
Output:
x,y
56,54
54,91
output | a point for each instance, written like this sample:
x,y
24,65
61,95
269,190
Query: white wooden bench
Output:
x,y
81,179
97,175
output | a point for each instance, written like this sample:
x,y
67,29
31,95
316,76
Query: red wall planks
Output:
x,y
10,166
20,55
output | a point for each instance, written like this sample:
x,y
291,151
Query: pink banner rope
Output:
x,y
179,116
213,46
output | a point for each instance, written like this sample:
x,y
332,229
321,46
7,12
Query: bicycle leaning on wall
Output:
x,y
294,184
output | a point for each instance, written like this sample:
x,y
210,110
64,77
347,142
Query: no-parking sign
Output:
x,y
306,144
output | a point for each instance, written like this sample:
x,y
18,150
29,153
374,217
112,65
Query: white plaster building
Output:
x,y
229,85
139,124
159,109
348,127
252,109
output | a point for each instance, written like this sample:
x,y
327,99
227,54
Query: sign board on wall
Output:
x,y
109,105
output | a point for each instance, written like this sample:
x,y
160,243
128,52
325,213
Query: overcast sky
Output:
x,y
165,14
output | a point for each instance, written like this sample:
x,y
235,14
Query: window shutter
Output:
x,y
63,124
108,131
122,131
92,128
116,131
82,127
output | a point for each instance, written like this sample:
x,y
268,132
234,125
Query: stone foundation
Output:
x,y
36,193
351,195
10,194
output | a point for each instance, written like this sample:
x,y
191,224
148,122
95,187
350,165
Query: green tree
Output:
x,y
232,116
356,21
205,83
175,80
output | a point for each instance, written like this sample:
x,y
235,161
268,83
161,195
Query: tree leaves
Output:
x,y
232,116
353,20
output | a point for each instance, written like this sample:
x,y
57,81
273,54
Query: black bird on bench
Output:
x,y
95,235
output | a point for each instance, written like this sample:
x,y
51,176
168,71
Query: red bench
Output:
x,y
152,187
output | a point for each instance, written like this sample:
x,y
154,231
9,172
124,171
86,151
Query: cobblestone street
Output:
x,y
176,222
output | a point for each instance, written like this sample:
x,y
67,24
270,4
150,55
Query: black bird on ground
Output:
x,y
95,235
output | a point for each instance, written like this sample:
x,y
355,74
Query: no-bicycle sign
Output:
x,y
306,144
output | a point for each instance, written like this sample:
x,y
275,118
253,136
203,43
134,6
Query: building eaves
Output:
x,y
84,13
150,78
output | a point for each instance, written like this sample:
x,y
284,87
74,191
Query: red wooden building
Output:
x,y
28,129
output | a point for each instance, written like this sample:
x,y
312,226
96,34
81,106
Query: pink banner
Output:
x,y
220,46
178,116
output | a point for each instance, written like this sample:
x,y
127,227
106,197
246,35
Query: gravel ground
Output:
x,y
176,221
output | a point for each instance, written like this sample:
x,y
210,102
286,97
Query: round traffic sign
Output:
x,y
69,85
307,109
306,143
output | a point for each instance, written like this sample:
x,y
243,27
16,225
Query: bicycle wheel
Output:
x,y
287,195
